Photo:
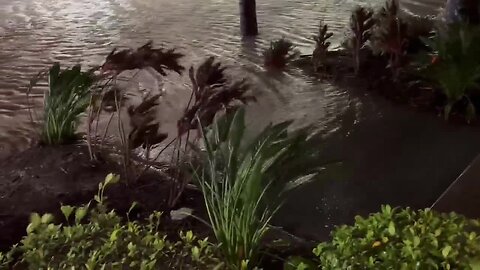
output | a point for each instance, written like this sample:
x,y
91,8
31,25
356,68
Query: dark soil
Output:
x,y
40,179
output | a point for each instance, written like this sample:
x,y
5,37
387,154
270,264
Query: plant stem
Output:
x,y
106,129
123,142
89,130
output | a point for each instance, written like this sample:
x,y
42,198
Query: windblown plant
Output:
x,y
279,54
392,37
143,57
65,101
361,24
212,93
238,175
319,55
144,126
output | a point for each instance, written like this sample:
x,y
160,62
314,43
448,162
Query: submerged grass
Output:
x,y
66,100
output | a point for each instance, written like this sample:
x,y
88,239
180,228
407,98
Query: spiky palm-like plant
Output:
x,y
212,92
361,24
279,53
321,46
146,56
392,36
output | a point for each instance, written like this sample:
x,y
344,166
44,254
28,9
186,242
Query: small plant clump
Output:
x,y
160,59
322,44
65,101
144,131
403,239
361,24
212,92
95,238
279,54
237,178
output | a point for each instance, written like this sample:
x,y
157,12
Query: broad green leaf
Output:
x,y
80,213
111,179
391,228
195,253
446,250
67,211
35,221
416,241
47,218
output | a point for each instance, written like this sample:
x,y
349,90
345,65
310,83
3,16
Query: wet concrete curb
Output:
x,y
463,195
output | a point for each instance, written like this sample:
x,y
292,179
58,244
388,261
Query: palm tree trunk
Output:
x,y
248,18
463,10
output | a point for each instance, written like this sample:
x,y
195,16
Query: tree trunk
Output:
x,y
248,18
463,10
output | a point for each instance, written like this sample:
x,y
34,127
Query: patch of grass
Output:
x,y
65,101
238,178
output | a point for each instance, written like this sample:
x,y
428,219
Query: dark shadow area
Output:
x,y
393,156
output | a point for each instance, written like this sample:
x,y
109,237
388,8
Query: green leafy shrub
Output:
x,y
403,239
279,53
238,175
67,98
454,65
97,239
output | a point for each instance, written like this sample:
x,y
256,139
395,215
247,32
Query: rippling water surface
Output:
x,y
387,152
34,33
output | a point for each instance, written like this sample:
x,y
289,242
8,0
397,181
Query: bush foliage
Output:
x,y
403,239
98,239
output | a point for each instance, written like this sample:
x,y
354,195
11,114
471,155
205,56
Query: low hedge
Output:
x,y
403,239
94,238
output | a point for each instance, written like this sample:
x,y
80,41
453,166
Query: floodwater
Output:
x,y
35,33
389,154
